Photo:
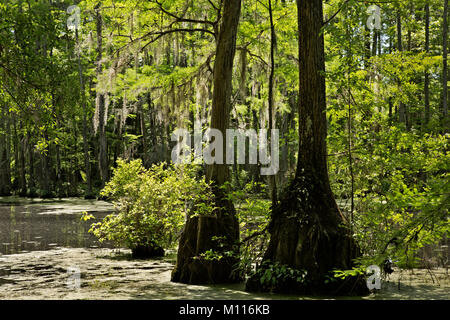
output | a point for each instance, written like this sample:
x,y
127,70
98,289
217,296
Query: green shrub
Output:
x,y
275,277
151,204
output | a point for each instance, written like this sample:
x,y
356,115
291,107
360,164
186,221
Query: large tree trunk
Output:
x,y
307,229
198,234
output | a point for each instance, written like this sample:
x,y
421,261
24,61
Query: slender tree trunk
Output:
x,y
21,146
58,175
255,168
375,42
379,42
444,64
198,234
5,176
45,172
427,76
399,31
307,229
152,131
8,150
142,129
284,148
367,51
409,38
100,101
15,141
59,172
402,117
31,180
87,165
349,124
390,116
350,162
272,181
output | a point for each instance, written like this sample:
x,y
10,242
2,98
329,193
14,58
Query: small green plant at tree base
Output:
x,y
151,205
218,253
275,275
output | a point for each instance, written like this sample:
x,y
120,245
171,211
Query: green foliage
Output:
x,y
85,216
396,172
343,274
401,190
151,203
275,275
401,202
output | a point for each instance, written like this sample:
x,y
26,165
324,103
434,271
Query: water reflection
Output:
x,y
36,224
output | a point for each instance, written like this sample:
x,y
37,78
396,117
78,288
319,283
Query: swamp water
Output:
x,y
38,224
41,240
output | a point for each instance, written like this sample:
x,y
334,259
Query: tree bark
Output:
x,y
306,228
199,231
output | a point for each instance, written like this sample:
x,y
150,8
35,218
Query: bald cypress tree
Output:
x,y
308,232
200,231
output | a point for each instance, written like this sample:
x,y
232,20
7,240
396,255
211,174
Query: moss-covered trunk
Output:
x,y
307,229
201,232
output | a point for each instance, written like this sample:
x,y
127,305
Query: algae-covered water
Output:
x,y
37,224
44,241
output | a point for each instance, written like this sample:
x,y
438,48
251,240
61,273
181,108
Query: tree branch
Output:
x,y
336,13
254,234
213,5
160,34
182,19
244,48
